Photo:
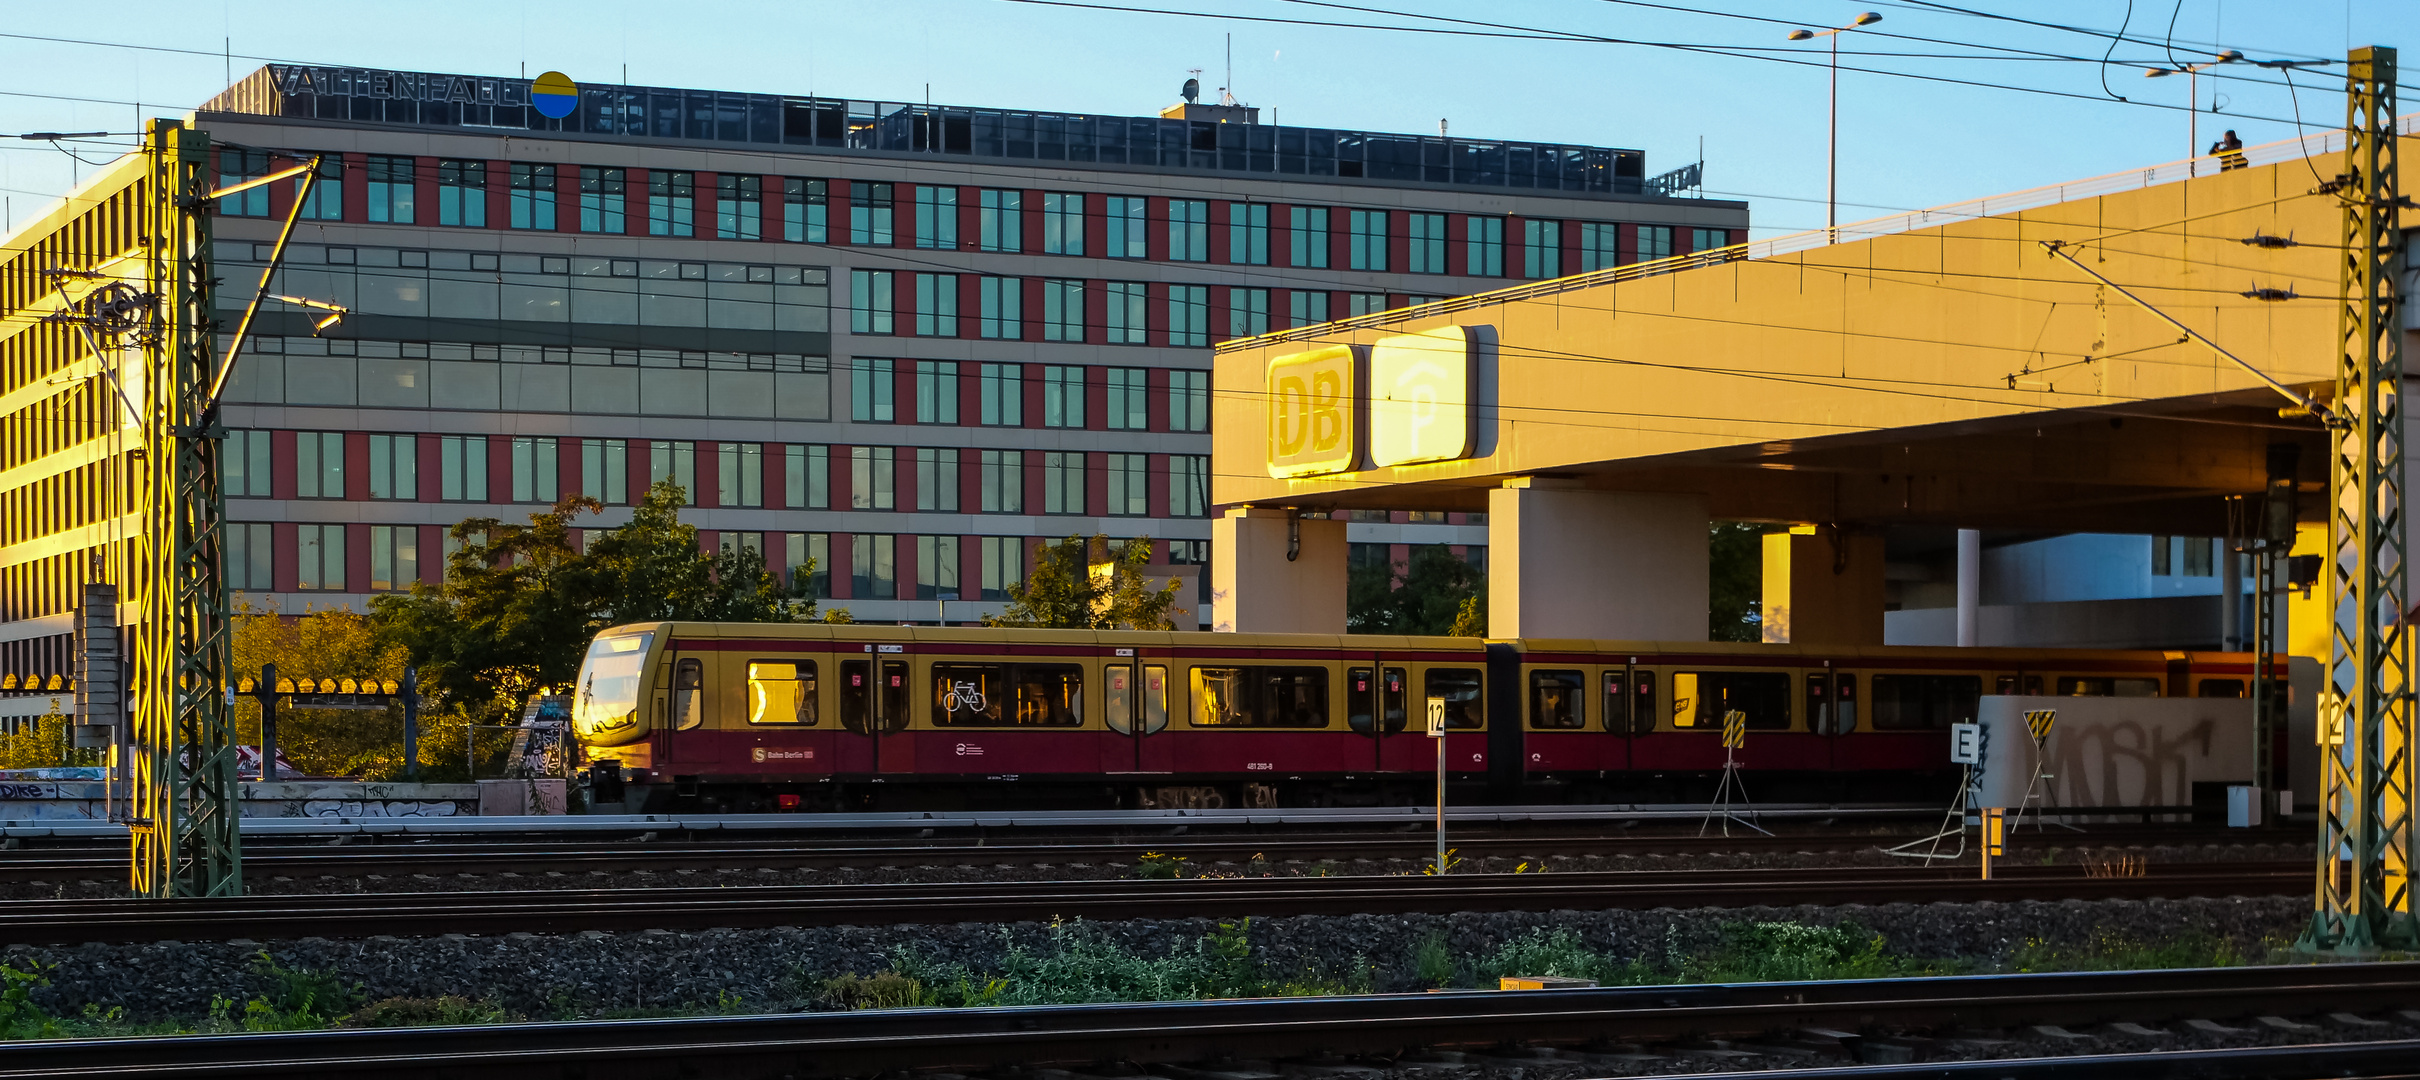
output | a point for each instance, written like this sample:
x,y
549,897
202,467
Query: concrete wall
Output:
x,y
2116,751
2160,622
1254,588
1567,563
79,795
1823,588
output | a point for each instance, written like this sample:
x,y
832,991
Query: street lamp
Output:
x,y
2193,96
1831,171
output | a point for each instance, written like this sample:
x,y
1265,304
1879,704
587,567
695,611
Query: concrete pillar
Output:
x,y
1563,562
2230,599
1970,584
1256,589
1823,588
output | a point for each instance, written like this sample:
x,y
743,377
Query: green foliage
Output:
x,y
19,1017
417,1012
520,604
1080,584
1437,592
1081,964
1735,557
1432,962
2119,952
46,743
297,1000
1470,620
882,990
1749,952
321,644
1795,952
1159,865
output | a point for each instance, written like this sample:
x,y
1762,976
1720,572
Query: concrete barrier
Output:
x,y
2114,751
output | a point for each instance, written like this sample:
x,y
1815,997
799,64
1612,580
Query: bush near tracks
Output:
x,y
102,989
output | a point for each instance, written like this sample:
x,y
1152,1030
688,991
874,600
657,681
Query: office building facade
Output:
x,y
904,342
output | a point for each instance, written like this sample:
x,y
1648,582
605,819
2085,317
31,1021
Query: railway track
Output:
x,y
668,855
566,911
2334,1020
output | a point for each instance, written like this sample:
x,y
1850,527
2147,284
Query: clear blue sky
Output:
x,y
1904,143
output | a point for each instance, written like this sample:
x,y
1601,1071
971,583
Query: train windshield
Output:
x,y
609,684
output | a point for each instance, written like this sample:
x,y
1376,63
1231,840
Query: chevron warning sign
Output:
x,y
1735,729
2039,720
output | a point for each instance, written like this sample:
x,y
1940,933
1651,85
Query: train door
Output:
x,y
1832,713
874,713
1629,712
682,740
1378,703
1136,709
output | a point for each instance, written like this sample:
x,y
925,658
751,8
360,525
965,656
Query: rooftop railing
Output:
x,y
2307,146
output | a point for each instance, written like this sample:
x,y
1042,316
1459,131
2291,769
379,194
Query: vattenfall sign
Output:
x,y
1415,403
293,79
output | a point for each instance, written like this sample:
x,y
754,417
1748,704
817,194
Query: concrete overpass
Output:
x,y
1941,368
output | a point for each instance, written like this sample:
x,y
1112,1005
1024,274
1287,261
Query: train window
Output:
x,y
1630,702
1557,700
2075,686
1394,696
1292,697
1831,703
1117,697
1463,690
2221,688
781,691
1008,695
1155,698
2031,685
609,683
1925,702
1361,699
1701,698
688,694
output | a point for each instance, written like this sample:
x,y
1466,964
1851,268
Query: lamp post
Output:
x,y
1831,169
2193,99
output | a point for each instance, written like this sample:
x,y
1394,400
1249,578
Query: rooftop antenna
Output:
x,y
1226,94
1192,90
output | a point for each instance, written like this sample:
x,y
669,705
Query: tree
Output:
x,y
1735,558
520,604
322,644
517,610
1436,593
1080,584
652,570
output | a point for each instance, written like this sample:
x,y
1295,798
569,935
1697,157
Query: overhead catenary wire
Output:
x,y
1593,39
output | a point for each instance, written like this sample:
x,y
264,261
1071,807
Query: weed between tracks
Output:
x,y
1078,962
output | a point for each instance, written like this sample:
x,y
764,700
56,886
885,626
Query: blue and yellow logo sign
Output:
x,y
554,95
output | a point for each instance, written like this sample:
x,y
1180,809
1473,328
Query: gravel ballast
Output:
x,y
593,973
1014,869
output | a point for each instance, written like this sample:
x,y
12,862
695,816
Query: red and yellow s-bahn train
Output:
x,y
746,717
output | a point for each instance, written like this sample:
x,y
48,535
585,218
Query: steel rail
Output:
x,y
632,909
522,857
857,1044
